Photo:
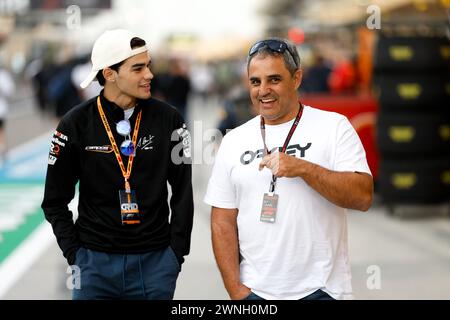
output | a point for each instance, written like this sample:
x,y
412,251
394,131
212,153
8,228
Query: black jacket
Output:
x,y
75,156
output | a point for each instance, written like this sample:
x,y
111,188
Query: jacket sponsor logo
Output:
x,y
294,150
54,149
59,135
52,159
102,149
145,142
56,140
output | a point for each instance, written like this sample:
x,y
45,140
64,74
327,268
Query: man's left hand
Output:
x,y
281,164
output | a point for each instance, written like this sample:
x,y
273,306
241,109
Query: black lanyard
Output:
x,y
286,142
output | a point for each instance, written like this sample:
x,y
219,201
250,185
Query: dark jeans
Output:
x,y
317,295
150,275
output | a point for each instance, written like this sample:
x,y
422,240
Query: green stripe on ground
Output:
x,y
11,239
20,184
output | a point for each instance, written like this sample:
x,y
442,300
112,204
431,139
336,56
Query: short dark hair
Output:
x,y
134,43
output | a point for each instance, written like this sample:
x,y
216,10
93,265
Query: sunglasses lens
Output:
x,y
274,45
127,148
277,46
255,48
123,127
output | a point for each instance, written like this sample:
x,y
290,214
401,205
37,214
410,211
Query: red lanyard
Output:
x,y
286,142
126,174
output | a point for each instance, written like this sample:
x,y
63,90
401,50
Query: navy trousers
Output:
x,y
150,275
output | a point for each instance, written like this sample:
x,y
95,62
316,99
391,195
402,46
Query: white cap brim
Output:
x,y
106,64
88,79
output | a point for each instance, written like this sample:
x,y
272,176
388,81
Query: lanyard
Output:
x,y
286,142
126,174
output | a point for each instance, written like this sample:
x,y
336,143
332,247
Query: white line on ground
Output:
x,y
21,259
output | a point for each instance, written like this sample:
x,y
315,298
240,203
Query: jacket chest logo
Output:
x,y
101,149
145,143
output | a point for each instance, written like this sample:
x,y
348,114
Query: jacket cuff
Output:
x,y
71,255
179,256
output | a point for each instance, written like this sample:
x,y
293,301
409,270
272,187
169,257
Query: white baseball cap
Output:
x,y
112,47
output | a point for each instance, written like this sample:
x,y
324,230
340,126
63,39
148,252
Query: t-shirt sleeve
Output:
x,y
349,153
221,192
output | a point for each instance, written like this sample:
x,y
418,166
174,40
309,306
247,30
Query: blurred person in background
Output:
x,y
173,85
179,86
224,76
342,78
279,189
316,76
161,78
60,90
40,72
119,146
7,89
238,107
202,78
79,72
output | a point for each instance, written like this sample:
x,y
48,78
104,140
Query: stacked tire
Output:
x,y
412,83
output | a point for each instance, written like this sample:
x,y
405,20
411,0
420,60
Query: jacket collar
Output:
x,y
116,112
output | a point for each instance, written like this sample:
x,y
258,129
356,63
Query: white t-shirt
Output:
x,y
128,113
306,248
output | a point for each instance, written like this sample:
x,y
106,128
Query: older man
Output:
x,y
280,186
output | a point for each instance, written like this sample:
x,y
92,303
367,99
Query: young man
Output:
x,y
119,148
279,187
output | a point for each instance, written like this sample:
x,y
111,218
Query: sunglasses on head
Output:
x,y
274,45
123,128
